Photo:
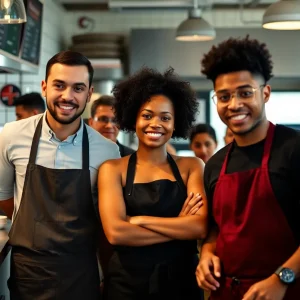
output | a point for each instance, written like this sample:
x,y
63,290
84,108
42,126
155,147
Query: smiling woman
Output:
x,y
157,208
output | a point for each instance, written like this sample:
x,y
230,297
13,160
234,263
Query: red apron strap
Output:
x,y
268,145
224,166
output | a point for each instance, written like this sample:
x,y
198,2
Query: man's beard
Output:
x,y
62,120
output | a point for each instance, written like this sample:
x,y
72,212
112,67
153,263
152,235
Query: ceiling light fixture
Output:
x,y
282,15
12,12
195,28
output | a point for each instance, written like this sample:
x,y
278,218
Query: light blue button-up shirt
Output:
x,y
15,143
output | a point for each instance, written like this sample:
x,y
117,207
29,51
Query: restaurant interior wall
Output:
x,y
160,50
52,42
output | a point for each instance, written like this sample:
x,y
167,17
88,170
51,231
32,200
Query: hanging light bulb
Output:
x,y
12,12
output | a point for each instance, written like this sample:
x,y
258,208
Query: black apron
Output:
x,y
53,235
159,271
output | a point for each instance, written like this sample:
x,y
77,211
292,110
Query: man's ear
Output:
x,y
44,87
267,93
90,122
91,90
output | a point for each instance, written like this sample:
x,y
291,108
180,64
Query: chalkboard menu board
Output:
x,y
10,35
30,50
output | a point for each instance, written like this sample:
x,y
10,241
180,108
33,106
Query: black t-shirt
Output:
x,y
284,170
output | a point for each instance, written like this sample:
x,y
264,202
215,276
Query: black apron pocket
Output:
x,y
29,289
57,237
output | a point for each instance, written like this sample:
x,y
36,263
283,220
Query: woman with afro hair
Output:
x,y
252,185
152,204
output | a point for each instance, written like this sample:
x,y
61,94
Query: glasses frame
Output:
x,y
101,121
234,93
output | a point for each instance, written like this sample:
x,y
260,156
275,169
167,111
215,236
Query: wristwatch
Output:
x,y
286,275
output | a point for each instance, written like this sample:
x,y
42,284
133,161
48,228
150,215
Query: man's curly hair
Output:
x,y
235,55
133,92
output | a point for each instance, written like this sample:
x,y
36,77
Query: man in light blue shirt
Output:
x,y
48,169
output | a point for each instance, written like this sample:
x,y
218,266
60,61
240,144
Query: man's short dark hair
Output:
x,y
234,55
31,101
203,128
70,58
104,100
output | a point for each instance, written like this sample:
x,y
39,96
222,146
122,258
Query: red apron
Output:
x,y
255,237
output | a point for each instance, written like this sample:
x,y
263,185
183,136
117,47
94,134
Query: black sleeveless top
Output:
x,y
159,198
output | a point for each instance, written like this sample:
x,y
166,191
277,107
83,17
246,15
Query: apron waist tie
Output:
x,y
238,286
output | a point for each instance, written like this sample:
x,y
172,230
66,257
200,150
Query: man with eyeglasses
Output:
x,y
103,120
252,185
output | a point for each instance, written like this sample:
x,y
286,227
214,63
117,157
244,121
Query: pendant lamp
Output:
x,y
12,12
282,15
195,28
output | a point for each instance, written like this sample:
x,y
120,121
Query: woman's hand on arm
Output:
x,y
113,211
191,205
186,226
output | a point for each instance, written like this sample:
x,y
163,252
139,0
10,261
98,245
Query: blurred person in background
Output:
x,y
203,141
29,105
103,120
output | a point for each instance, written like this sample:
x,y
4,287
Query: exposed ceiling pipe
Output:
x,y
151,4
242,8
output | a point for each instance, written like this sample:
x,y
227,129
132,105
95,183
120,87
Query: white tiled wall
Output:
x,y
51,43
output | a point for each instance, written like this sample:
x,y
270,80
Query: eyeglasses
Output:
x,y
244,94
104,119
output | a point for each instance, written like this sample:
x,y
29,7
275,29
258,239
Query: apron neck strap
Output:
x,y
130,173
85,149
224,166
176,173
268,145
36,139
35,142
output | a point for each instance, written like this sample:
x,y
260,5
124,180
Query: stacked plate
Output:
x,y
99,45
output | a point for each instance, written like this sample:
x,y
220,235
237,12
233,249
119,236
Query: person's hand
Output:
x,y
191,205
208,269
269,289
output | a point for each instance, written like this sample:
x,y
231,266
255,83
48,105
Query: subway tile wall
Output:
x,y
51,43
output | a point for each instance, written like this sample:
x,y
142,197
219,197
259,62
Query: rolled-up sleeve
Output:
x,y
7,170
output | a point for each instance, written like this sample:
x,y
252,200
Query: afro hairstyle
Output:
x,y
235,55
135,91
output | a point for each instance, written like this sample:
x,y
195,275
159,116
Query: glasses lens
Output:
x,y
245,93
106,120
